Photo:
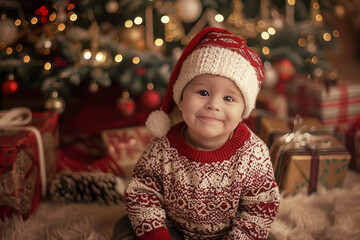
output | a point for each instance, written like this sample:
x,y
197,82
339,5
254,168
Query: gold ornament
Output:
x,y
134,37
9,32
239,25
188,10
112,6
55,102
174,30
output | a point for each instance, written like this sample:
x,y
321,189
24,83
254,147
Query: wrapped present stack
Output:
x,y
28,145
306,159
333,101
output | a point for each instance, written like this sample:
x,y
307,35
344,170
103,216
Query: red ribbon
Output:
x,y
314,170
343,106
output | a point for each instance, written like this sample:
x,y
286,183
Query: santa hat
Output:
x,y
212,51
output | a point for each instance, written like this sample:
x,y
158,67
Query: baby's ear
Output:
x,y
176,115
180,105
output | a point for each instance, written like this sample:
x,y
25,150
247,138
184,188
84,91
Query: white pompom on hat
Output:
x,y
212,51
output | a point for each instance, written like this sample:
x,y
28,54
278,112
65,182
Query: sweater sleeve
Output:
x,y
143,196
259,198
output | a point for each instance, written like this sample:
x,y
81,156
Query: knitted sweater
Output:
x,y
228,193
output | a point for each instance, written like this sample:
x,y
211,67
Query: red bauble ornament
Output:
x,y
150,99
286,71
10,85
140,71
125,104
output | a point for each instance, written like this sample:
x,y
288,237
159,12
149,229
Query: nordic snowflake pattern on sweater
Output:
x,y
233,197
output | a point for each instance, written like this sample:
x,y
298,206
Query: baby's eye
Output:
x,y
203,93
228,99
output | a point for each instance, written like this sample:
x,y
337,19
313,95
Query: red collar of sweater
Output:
x,y
177,141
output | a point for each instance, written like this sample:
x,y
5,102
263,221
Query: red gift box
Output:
x,y
333,102
349,135
23,174
123,147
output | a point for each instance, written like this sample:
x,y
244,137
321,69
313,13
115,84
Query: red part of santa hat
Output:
x,y
212,51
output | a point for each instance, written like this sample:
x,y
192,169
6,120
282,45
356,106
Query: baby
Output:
x,y
208,176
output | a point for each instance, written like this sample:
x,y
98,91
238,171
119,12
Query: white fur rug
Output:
x,y
333,214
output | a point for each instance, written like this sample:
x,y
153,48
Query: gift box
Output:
x,y
271,128
349,135
126,145
332,101
305,161
27,160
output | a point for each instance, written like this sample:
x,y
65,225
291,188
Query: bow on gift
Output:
x,y
122,141
17,119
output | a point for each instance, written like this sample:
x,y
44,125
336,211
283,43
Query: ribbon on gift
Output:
x,y
17,119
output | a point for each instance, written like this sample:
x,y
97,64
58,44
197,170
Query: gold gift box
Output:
x,y
298,168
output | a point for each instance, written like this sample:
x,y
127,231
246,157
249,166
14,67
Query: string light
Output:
x,y
19,47
34,20
150,86
327,36
159,42
138,20
219,18
17,22
9,50
271,31
26,59
87,54
118,58
136,60
291,2
61,27
52,17
47,66
265,50
318,17
73,17
302,42
336,33
314,60
316,5
100,57
128,24
165,19
265,35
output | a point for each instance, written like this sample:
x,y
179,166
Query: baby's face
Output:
x,y
212,106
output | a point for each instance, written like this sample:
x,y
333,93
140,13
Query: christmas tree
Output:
x,y
56,47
